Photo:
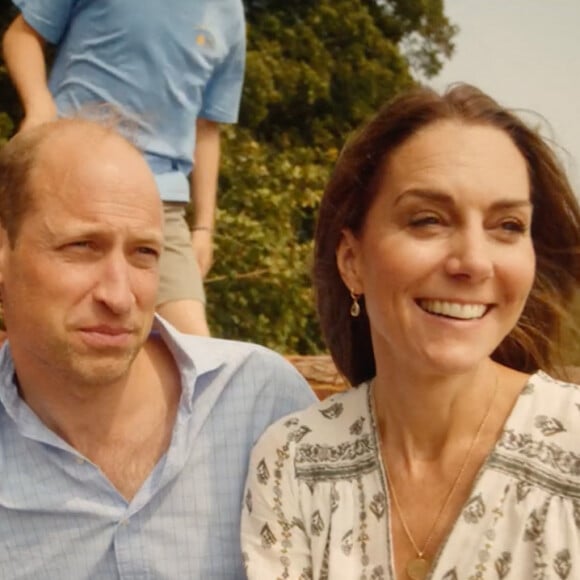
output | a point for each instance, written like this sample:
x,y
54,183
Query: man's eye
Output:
x,y
80,244
147,251
146,256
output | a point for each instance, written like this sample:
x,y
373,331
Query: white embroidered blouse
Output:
x,y
316,505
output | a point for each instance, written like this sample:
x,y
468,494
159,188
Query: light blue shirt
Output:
x,y
61,519
162,63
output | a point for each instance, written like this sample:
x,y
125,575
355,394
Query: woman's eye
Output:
x,y
513,226
425,221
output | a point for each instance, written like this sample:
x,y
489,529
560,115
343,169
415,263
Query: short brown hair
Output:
x,y
534,342
20,156
17,159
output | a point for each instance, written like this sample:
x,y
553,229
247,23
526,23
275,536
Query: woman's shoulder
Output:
x,y
542,435
542,377
551,393
330,441
336,420
340,408
545,399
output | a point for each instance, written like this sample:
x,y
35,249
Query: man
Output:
x,y
176,68
123,443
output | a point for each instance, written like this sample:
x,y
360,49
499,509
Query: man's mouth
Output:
x,y
460,311
108,330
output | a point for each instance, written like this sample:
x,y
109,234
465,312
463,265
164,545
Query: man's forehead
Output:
x,y
93,170
73,160
78,142
63,217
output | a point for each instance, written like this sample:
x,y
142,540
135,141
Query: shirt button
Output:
x,y
80,460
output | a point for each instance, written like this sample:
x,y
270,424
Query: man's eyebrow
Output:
x,y
152,239
79,230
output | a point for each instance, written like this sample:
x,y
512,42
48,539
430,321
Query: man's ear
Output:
x,y
348,262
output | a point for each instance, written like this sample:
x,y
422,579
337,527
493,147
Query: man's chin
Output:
x,y
103,369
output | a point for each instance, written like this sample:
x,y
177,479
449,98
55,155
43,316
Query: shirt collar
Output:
x,y
199,352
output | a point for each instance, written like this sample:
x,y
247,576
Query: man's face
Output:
x,y
80,284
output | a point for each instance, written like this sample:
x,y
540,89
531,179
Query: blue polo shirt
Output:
x,y
61,519
162,64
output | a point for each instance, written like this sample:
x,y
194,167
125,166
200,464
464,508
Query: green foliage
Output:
x,y
314,74
6,128
259,289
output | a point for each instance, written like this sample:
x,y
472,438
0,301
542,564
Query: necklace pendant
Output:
x,y
417,568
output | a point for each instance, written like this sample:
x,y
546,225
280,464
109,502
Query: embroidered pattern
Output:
x,y
328,462
474,510
548,425
503,565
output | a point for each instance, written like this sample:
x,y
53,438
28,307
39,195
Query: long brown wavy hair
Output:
x,y
535,342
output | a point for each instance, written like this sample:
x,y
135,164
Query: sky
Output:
x,y
526,55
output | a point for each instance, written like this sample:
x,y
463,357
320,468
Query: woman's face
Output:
x,y
445,258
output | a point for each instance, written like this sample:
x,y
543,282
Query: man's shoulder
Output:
x,y
246,362
258,382
241,370
232,352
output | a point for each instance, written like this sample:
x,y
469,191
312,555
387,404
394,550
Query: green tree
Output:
x,y
317,68
259,288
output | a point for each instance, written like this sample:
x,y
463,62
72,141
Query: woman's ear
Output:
x,y
348,261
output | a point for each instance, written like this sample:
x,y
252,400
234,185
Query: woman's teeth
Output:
x,y
453,309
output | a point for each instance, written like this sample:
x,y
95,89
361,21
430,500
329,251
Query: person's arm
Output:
x,y
23,50
204,180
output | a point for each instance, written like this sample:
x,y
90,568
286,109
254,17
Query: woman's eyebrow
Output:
x,y
426,194
445,199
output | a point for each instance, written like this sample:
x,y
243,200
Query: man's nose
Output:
x,y
114,288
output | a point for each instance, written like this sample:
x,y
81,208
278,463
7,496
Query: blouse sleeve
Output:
x,y
275,543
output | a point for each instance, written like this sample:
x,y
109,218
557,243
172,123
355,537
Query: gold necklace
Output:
x,y
417,568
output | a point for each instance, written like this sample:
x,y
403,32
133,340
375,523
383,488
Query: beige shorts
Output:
x,y
179,276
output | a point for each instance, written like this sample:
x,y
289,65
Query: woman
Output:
x,y
447,252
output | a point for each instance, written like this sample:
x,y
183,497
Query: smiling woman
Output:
x,y
444,258
446,254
